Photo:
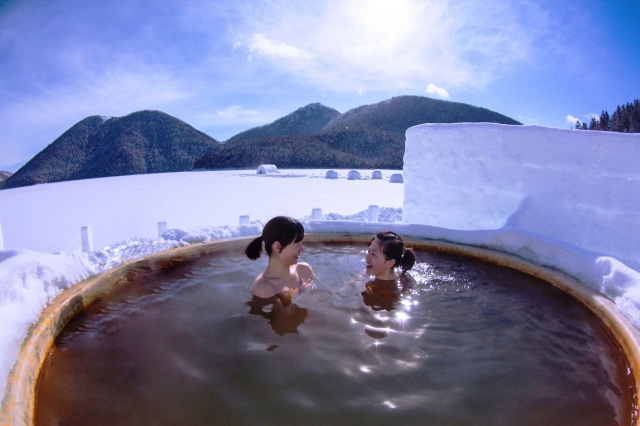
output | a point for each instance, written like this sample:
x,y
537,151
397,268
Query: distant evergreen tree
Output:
x,y
634,126
581,125
626,119
605,121
616,120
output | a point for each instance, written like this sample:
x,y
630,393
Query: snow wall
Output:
x,y
569,186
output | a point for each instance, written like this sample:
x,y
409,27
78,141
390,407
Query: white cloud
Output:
x,y
237,112
235,115
263,46
586,118
37,119
432,89
572,120
381,46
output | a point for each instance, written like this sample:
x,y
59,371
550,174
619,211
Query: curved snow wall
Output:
x,y
567,199
580,187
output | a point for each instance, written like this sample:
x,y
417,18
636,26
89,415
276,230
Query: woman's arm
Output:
x,y
305,272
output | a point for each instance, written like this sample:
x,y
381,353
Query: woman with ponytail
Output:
x,y
282,238
386,253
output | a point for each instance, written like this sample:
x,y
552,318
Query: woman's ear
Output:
x,y
390,263
276,247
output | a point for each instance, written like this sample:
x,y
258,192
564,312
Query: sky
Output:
x,y
225,67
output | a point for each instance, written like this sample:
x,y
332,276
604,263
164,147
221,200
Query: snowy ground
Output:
x,y
48,218
42,225
565,199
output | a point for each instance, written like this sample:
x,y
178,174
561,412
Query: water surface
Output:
x,y
459,343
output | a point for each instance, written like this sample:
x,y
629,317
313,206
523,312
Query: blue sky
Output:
x,y
226,66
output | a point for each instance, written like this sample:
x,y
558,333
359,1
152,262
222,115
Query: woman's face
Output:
x,y
291,252
376,262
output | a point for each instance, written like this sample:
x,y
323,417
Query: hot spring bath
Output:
x,y
172,337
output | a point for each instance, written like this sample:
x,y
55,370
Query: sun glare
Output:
x,y
388,21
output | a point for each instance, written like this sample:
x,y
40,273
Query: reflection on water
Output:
x,y
460,343
283,315
381,294
387,295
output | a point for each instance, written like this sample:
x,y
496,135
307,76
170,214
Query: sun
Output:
x,y
386,20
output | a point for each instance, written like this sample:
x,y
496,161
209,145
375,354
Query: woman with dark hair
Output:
x,y
282,238
386,252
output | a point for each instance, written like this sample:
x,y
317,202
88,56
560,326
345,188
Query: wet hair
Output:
x,y
392,247
283,229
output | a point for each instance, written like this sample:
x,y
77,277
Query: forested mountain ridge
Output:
x,y
300,152
141,142
4,176
397,114
373,135
304,121
314,136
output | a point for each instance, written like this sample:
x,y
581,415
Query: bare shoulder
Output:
x,y
261,288
304,270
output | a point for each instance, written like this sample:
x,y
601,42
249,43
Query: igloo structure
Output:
x,y
266,169
354,175
396,178
331,174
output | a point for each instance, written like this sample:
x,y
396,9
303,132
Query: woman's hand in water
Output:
x,y
305,273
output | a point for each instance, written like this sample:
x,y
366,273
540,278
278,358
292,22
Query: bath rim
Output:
x,y
18,403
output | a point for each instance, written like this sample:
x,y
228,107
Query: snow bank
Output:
x,y
562,198
581,187
29,281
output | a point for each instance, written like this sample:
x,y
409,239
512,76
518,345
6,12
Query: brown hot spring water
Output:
x,y
461,342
